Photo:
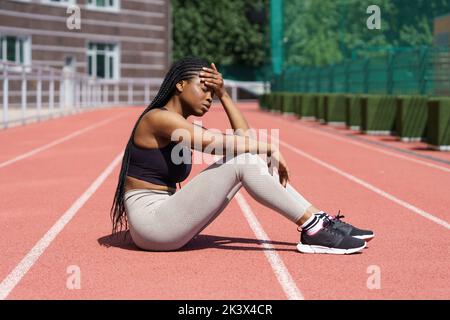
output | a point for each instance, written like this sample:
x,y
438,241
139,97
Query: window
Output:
x,y
15,49
103,4
59,2
103,60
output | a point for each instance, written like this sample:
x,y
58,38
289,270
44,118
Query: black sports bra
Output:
x,y
162,166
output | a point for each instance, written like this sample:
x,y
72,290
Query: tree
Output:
x,y
224,32
324,32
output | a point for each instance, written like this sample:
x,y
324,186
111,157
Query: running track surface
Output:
x,y
57,180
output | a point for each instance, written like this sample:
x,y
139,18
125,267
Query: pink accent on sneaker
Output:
x,y
315,229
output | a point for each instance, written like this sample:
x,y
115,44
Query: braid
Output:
x,y
183,69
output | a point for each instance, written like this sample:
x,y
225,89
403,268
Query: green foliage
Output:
x,y
218,31
316,32
319,33
307,42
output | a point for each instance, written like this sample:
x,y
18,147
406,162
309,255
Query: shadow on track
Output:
x,y
203,241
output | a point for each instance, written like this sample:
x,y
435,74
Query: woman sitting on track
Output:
x,y
160,218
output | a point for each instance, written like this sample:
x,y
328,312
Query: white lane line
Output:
x,y
14,277
281,272
428,164
369,186
56,142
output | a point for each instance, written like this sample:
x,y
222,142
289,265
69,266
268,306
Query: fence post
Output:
x,y
5,95
130,92
291,81
91,94
116,94
366,71
106,94
99,94
280,82
51,92
96,90
83,93
147,92
24,94
86,93
423,55
317,79
390,72
307,79
298,88
95,93
39,93
61,94
77,93
347,76
331,82
287,81
294,80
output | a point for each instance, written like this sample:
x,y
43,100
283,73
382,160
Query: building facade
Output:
x,y
442,31
110,39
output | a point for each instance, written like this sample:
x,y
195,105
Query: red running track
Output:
x,y
57,180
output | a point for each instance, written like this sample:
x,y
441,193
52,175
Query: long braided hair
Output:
x,y
183,69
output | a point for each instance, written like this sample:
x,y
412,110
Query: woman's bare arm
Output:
x,y
237,120
173,126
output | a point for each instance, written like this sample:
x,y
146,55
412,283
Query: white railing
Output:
x,y
34,93
254,87
38,92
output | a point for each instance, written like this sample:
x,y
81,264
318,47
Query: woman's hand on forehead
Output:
x,y
213,79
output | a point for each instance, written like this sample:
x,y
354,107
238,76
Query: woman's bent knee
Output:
x,y
247,158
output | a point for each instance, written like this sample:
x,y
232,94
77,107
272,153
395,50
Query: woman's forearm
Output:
x,y
235,116
234,144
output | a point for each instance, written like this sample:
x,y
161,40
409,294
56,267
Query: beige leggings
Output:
x,y
164,221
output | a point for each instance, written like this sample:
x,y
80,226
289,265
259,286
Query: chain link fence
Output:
x,y
423,70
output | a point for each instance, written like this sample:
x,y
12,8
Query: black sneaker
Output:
x,y
347,228
329,240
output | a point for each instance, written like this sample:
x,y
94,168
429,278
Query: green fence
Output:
x,y
410,117
424,71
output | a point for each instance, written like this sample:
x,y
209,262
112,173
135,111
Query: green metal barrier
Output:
x,y
353,111
297,104
411,118
277,102
378,115
308,107
263,101
288,103
271,101
438,125
334,109
320,107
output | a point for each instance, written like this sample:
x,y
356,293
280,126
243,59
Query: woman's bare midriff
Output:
x,y
145,139
133,183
